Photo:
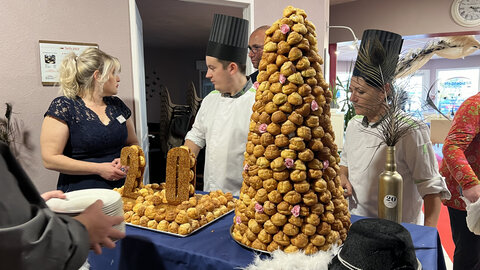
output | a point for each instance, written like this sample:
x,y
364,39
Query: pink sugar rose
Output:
x,y
262,128
238,220
325,164
245,168
314,105
256,85
289,163
296,211
284,28
258,208
282,79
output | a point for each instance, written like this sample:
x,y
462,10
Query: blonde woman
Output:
x,y
84,131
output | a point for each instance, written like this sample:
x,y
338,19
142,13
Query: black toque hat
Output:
x,y
377,57
228,38
374,244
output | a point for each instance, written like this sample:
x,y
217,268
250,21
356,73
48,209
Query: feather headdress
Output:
x,y
453,47
376,64
377,57
430,103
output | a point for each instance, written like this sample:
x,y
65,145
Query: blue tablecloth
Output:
x,y
212,247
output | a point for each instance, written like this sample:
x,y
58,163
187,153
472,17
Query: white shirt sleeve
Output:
x,y
198,132
343,153
421,160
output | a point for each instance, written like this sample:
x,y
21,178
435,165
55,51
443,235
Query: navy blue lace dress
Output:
x,y
91,140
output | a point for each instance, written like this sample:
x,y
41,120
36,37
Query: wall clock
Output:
x,y
466,12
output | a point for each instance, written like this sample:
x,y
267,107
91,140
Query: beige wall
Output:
x,y
24,22
406,17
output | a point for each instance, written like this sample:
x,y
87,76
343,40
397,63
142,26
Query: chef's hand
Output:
x,y
53,194
472,194
347,186
100,227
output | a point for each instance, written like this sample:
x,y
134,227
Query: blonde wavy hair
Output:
x,y
76,72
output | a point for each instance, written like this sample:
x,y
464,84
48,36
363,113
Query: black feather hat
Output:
x,y
377,57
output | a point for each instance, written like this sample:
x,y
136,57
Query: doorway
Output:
x,y
175,35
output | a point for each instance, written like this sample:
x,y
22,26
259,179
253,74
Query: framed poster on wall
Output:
x,y
52,54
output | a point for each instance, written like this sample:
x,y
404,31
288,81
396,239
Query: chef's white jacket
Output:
x,y
222,125
365,156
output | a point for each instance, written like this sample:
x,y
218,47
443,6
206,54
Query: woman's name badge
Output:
x,y
121,119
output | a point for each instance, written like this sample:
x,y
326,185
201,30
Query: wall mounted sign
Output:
x,y
453,92
52,54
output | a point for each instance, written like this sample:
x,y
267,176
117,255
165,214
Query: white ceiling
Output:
x,y
177,24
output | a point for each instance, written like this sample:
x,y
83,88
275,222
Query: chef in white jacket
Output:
x,y
363,156
222,122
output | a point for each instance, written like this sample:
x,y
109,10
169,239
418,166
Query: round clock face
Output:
x,y
466,12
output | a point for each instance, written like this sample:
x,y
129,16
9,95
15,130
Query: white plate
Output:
x,y
78,200
120,227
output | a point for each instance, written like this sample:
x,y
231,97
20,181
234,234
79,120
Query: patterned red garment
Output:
x,y
461,151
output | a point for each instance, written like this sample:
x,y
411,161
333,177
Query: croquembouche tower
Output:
x,y
291,198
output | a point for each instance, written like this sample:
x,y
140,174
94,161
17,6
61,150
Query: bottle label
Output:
x,y
390,201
